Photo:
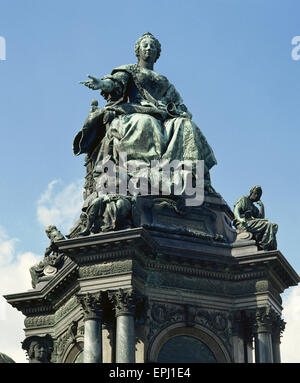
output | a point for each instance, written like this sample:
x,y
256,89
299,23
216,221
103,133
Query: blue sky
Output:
x,y
230,60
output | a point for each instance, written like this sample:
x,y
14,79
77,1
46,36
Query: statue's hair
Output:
x,y
256,187
138,43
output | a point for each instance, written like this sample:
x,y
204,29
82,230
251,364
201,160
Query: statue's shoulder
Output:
x,y
124,68
244,200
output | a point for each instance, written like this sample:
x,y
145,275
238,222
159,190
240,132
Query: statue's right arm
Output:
x,y
238,212
106,85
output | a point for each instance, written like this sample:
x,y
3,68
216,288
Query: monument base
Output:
x,y
162,293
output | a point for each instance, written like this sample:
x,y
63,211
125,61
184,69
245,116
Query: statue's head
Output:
x,y
53,233
49,229
147,46
255,193
38,348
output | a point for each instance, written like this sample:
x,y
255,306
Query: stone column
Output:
x,y
277,329
241,337
124,302
237,338
263,336
92,306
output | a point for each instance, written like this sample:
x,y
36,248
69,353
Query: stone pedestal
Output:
x,y
208,295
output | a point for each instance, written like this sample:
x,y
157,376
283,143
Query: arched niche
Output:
x,y
178,341
74,353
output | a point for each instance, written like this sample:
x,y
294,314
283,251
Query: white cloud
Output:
x,y
291,336
14,277
60,207
6,248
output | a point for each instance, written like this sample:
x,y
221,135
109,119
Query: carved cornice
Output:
x,y
92,304
137,246
29,310
51,320
39,321
101,247
201,272
34,302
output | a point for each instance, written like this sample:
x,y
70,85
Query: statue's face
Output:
x,y
148,50
255,195
40,352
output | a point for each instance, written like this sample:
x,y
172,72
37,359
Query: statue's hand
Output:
x,y
161,105
259,203
94,83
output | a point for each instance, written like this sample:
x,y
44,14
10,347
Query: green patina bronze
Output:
x,y
251,219
145,118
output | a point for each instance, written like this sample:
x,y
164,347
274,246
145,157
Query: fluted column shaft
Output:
x,y
124,302
263,336
278,328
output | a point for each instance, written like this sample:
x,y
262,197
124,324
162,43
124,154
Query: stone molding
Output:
x,y
39,321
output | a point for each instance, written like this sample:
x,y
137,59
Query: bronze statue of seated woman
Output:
x,y
144,117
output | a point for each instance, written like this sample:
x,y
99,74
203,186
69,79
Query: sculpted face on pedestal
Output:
x,y
40,353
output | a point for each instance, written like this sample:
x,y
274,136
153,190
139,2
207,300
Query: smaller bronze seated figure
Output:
x,y
250,219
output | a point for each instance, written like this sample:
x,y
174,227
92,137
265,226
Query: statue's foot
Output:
x,y
84,233
105,229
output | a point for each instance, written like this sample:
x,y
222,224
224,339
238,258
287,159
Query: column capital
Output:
x,y
278,327
263,319
124,301
92,304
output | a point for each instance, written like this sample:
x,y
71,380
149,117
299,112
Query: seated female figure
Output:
x,y
144,117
